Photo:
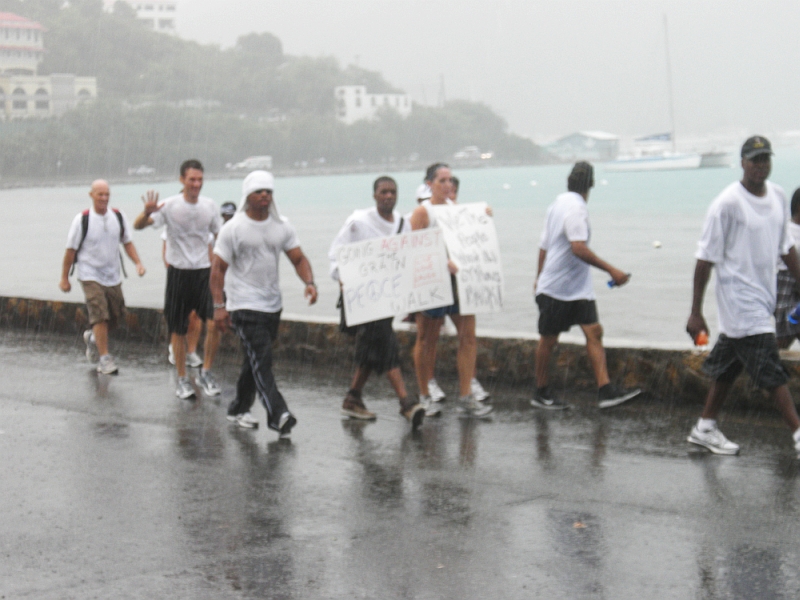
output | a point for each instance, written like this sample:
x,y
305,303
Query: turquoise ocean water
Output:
x,y
629,211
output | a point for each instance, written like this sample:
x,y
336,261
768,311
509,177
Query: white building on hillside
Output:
x,y
23,93
353,103
160,16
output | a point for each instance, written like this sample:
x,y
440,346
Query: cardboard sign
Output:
x,y
472,245
389,276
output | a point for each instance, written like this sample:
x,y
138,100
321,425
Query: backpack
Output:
x,y
85,229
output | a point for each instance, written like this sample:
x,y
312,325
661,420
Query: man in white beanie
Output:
x,y
189,218
246,258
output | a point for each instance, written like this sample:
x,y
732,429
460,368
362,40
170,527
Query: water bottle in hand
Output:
x,y
611,284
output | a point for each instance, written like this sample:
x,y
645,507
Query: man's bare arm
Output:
x,y
130,250
582,251
216,282
697,323
69,259
793,263
542,257
303,269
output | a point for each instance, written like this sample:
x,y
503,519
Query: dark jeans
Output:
x,y
257,330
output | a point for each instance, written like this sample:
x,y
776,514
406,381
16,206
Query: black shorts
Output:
x,y
187,290
757,354
376,346
557,316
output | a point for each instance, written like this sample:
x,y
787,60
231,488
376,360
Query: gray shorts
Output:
x,y
787,299
756,354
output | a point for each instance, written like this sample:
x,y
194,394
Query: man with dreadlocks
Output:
x,y
564,293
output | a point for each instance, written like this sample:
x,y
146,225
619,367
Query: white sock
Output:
x,y
796,435
706,424
105,357
203,371
91,338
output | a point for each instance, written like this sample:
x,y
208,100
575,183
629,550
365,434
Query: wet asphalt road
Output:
x,y
113,488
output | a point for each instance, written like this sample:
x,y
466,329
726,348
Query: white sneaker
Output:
x,y
797,446
209,385
184,390
92,355
471,408
106,365
477,391
431,408
435,393
247,420
171,356
193,360
714,440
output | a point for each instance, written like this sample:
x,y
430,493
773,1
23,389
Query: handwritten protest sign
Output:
x,y
471,241
384,277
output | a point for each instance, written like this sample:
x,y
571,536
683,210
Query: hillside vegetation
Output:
x,y
162,99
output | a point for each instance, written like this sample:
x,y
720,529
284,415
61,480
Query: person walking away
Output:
x,y
245,266
564,294
744,234
377,349
93,246
189,219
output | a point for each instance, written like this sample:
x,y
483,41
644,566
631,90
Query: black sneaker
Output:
x,y
543,398
610,395
287,421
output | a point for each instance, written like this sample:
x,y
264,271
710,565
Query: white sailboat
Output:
x,y
653,152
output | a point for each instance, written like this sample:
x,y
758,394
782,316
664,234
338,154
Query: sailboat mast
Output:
x,y
669,85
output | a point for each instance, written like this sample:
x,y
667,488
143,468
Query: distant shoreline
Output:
x,y
311,170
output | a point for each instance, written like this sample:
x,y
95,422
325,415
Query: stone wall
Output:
x,y
668,375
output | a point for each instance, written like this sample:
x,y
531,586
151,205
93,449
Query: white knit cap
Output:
x,y
259,180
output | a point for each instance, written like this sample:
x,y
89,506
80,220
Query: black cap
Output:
x,y
229,208
756,145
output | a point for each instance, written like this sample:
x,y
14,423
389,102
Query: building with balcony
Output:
x,y
353,103
25,94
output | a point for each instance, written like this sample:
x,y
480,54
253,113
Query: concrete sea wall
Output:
x,y
666,375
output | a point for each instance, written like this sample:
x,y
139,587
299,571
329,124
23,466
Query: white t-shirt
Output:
x,y
364,225
744,236
794,237
98,259
565,276
188,228
252,250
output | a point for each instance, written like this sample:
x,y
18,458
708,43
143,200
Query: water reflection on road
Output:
x,y
113,483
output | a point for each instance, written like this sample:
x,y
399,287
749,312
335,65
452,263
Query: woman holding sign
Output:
x,y
429,323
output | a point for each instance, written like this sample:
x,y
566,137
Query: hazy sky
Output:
x,y
553,67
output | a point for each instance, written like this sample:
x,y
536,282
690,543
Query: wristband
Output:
x,y
216,306
311,283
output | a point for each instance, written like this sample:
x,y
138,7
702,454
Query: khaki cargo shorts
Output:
x,y
104,303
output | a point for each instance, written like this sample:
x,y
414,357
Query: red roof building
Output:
x,y
21,45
